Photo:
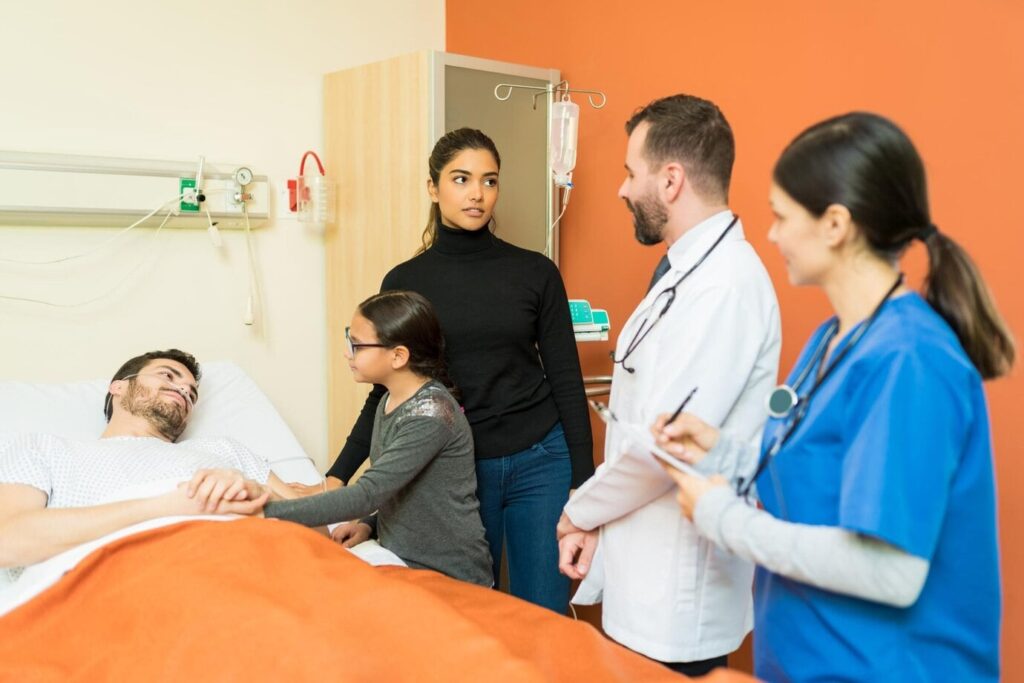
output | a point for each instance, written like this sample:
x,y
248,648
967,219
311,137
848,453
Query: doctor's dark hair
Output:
x,y
693,132
135,366
446,149
403,318
865,163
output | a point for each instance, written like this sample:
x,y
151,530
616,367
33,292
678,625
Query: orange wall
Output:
x,y
951,73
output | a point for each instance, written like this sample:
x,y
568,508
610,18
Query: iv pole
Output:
x,y
597,100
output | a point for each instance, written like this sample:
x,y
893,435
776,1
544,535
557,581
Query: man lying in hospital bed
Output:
x,y
252,597
59,493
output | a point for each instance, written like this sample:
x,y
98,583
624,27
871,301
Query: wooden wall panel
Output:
x,y
376,140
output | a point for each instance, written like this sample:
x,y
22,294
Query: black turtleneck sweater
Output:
x,y
510,347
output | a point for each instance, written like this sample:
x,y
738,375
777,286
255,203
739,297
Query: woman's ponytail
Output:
x,y
868,164
956,290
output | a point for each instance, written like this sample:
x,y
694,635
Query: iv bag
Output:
x,y
565,119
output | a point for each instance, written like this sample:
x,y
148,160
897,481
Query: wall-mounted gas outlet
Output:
x,y
189,195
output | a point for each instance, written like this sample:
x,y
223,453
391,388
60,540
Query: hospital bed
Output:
x,y
264,599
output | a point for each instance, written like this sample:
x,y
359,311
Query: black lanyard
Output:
x,y
803,404
670,296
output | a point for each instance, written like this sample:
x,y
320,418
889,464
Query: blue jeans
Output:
x,y
521,498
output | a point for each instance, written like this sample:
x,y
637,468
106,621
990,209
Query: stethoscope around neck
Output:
x,y
669,296
784,400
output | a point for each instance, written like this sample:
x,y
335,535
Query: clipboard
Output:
x,y
639,436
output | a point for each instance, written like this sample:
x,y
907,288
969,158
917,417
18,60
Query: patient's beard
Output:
x,y
167,418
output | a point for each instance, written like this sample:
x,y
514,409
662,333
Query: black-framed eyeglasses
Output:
x,y
663,302
355,346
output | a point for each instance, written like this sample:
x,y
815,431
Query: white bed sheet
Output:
x,y
38,577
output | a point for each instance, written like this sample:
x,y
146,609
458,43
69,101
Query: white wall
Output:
x,y
238,82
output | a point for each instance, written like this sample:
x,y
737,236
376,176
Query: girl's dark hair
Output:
x,y
867,164
407,319
446,149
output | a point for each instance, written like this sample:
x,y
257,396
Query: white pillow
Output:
x,y
230,404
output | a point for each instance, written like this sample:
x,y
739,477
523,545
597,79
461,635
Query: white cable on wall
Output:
x,y
255,296
105,294
109,240
116,236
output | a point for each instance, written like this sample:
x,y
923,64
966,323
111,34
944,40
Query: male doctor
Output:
x,y
710,323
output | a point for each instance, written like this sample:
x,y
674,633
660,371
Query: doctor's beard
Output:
x,y
649,219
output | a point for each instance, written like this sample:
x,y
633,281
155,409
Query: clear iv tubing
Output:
x,y
551,231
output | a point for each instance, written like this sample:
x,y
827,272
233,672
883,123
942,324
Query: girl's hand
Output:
x,y
351,534
210,486
687,437
314,489
691,489
179,502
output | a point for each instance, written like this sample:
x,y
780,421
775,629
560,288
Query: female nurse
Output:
x,y
877,545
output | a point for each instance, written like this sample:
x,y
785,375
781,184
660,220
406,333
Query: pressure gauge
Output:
x,y
243,176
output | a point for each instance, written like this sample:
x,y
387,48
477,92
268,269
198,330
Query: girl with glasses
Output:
x,y
421,483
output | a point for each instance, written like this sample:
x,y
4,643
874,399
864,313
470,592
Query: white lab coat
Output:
x,y
668,593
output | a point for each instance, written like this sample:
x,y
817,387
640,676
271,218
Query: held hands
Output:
x,y
210,487
249,502
687,437
314,489
351,534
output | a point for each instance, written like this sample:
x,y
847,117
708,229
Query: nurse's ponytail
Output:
x,y
867,164
446,149
407,319
955,289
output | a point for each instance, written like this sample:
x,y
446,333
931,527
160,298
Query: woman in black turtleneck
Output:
x,y
512,355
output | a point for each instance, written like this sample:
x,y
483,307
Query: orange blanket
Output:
x,y
253,600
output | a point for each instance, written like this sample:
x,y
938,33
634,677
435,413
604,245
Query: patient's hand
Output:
x,y
351,533
314,489
179,502
210,487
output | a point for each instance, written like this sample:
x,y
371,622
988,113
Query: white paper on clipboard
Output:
x,y
643,440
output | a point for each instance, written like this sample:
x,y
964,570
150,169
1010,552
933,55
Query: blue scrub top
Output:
x,y
895,445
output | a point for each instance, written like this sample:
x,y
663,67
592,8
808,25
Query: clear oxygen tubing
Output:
x,y
105,294
109,240
168,384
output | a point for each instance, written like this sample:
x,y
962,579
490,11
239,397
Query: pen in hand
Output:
x,y
681,406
